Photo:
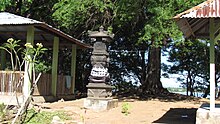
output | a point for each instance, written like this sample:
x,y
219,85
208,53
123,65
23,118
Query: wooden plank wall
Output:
x,y
44,86
7,85
62,86
9,80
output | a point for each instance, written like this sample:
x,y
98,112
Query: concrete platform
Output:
x,y
205,116
100,104
10,100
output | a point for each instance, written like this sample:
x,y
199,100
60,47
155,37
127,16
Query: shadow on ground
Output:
x,y
178,116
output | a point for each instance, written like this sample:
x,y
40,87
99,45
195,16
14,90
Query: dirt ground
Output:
x,y
168,111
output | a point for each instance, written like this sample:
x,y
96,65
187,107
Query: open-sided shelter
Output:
x,y
203,21
33,31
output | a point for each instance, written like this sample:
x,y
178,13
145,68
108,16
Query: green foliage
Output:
x,y
189,55
4,4
43,117
190,58
125,108
36,9
75,15
42,66
15,6
2,112
30,54
13,48
137,24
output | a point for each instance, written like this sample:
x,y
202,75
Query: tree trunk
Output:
x,y
152,84
190,85
206,91
143,66
187,85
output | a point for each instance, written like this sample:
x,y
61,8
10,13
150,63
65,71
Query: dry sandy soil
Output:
x,y
155,110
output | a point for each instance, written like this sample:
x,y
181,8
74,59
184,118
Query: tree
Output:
x,y
151,28
36,9
190,58
78,16
141,27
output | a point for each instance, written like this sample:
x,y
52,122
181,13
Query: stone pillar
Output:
x,y
99,91
99,77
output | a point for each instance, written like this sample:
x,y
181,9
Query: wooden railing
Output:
x,y
11,81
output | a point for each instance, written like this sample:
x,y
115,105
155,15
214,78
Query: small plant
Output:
x,y
2,112
125,108
44,117
30,57
82,118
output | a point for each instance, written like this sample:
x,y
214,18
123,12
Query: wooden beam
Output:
x,y
14,36
194,22
28,66
186,30
217,38
55,65
217,27
3,59
190,28
61,45
73,68
23,32
199,25
41,35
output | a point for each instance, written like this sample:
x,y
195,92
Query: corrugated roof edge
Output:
x,y
8,19
43,25
192,9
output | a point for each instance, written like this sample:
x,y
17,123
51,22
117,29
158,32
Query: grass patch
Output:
x,y
44,117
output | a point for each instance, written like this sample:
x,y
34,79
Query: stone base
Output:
x,y
97,90
100,104
205,116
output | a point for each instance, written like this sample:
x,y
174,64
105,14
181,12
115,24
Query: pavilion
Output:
x,y
32,31
203,21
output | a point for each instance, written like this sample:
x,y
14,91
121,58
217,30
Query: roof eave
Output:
x,y
62,34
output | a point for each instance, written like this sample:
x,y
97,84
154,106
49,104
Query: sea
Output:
x,y
196,94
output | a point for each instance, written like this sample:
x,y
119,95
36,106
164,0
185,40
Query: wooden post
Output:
x,y
212,63
3,59
55,65
73,68
28,66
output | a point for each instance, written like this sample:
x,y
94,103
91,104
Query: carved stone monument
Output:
x,y
99,91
